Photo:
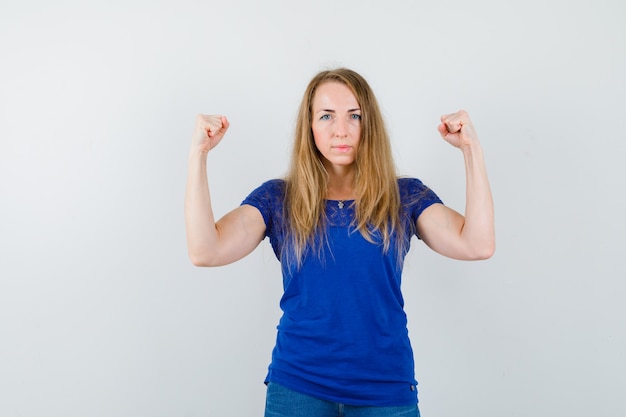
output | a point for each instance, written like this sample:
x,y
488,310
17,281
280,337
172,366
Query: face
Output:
x,y
336,124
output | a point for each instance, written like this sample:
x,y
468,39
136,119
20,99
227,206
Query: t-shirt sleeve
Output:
x,y
416,197
267,198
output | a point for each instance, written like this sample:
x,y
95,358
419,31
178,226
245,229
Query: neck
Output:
x,y
340,183
340,192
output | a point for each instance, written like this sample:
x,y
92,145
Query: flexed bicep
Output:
x,y
238,233
440,227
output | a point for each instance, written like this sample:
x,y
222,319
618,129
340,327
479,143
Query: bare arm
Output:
x,y
211,243
446,231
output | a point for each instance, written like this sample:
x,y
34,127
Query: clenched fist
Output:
x,y
457,129
209,131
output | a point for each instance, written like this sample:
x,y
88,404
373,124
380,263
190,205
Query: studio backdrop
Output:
x,y
103,314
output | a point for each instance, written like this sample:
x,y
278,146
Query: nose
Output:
x,y
341,128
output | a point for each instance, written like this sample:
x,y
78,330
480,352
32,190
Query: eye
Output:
x,y
325,117
355,116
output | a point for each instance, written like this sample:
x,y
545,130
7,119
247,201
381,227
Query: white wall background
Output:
x,y
102,314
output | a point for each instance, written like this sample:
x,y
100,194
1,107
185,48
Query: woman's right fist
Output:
x,y
209,131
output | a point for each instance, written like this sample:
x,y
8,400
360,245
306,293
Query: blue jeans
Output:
x,y
283,402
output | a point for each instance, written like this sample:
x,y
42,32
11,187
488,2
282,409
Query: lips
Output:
x,y
342,148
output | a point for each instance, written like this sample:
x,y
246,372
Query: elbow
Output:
x,y
484,251
196,260
483,256
201,260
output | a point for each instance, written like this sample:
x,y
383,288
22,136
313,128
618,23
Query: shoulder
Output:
x,y
271,187
408,181
409,186
275,183
415,196
267,196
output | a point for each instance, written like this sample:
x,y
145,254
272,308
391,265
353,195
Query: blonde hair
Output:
x,y
377,202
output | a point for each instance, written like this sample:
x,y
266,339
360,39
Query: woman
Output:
x,y
340,223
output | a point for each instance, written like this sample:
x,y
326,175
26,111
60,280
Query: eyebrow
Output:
x,y
333,111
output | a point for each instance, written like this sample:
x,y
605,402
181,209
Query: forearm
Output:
x,y
199,218
478,230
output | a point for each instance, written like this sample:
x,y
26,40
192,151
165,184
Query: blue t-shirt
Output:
x,y
343,334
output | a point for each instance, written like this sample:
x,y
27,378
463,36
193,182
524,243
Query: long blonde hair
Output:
x,y
377,202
